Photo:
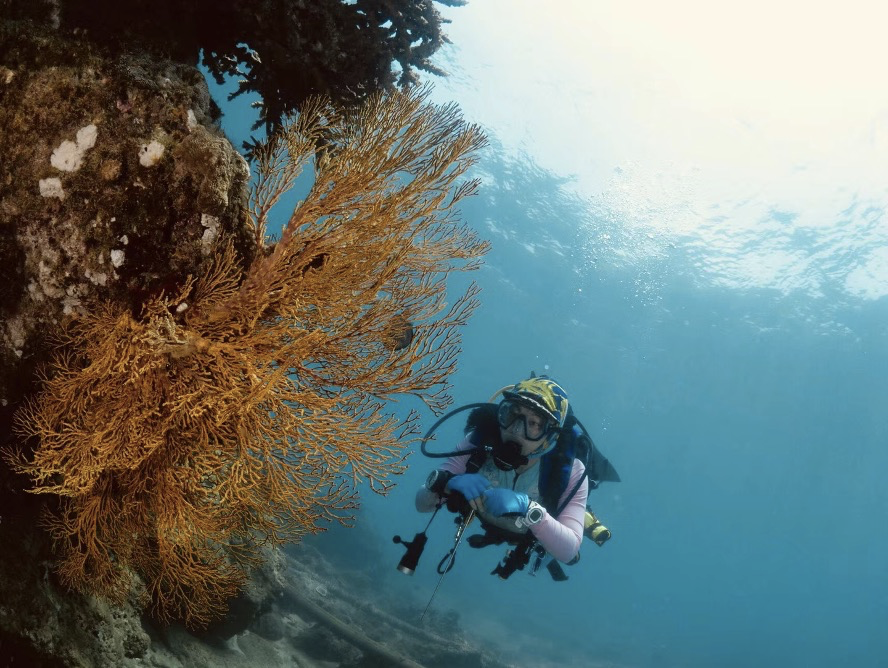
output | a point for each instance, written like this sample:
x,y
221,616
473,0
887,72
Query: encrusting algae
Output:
x,y
242,408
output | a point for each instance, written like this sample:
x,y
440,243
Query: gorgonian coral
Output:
x,y
243,408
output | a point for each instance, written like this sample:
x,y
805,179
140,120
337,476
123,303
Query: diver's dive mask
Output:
x,y
536,425
531,425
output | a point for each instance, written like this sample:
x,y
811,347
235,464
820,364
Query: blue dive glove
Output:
x,y
470,485
499,502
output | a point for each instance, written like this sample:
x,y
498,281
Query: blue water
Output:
x,y
747,528
742,404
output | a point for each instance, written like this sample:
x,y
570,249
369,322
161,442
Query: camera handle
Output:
x,y
449,558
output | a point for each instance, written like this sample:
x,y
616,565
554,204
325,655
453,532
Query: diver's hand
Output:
x,y
470,485
499,502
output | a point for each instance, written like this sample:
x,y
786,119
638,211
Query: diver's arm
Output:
x,y
427,500
562,535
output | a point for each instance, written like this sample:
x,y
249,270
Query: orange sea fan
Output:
x,y
246,408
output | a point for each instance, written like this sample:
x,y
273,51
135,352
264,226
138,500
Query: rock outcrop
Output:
x,y
113,179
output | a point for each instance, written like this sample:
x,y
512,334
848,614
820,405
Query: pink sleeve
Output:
x,y
562,535
426,500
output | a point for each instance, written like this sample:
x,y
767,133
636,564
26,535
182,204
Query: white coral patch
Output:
x,y
96,277
35,291
68,156
52,187
15,330
150,153
70,304
211,223
86,136
192,120
209,236
116,257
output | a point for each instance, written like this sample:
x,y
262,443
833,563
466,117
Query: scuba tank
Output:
x,y
594,530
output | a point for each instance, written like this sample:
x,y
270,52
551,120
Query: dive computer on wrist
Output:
x,y
534,515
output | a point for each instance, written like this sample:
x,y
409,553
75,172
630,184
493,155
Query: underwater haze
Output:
x,y
687,207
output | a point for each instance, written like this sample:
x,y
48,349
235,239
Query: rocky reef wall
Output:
x,y
114,177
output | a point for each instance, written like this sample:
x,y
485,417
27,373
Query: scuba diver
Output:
x,y
501,479
524,468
